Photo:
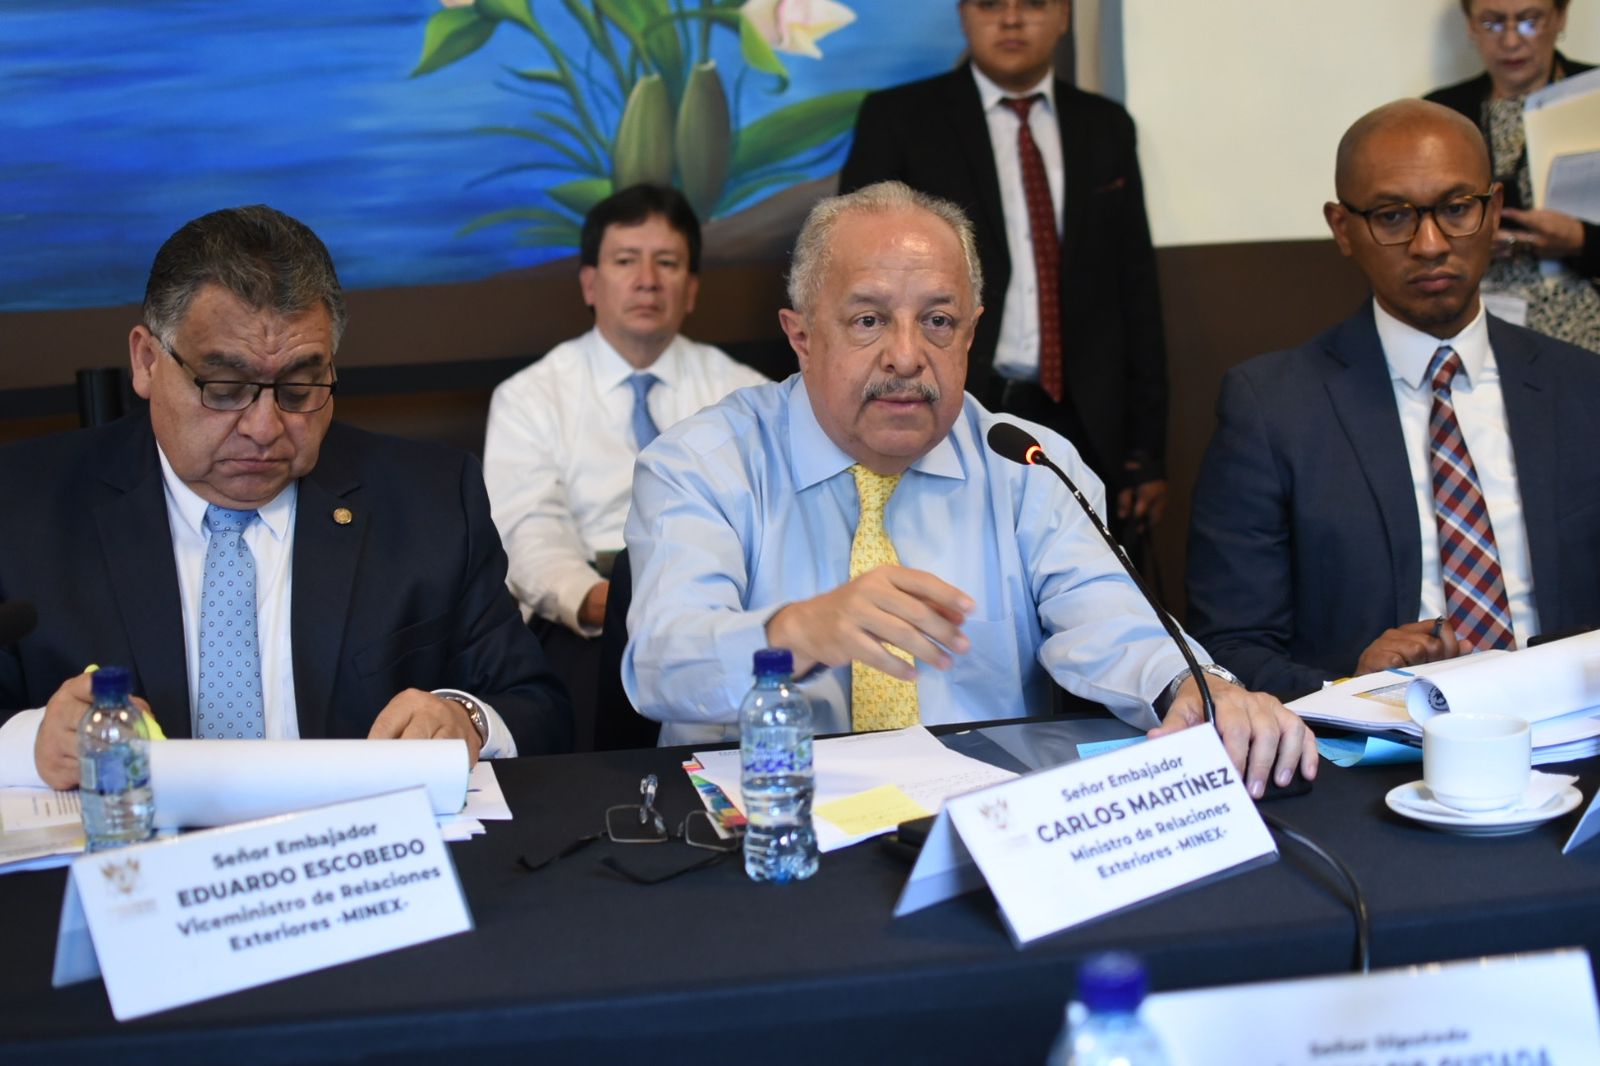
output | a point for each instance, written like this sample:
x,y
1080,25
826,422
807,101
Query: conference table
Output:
x,y
574,963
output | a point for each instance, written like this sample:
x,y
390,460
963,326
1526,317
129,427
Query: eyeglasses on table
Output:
x,y
642,823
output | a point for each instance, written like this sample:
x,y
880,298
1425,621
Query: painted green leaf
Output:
x,y
548,77
581,195
566,236
517,214
791,130
585,17
589,165
662,49
759,54
519,11
451,34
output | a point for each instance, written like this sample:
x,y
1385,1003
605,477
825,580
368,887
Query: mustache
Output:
x,y
921,390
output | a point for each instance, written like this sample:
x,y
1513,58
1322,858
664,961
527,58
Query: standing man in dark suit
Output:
x,y
263,571
1049,175
1418,482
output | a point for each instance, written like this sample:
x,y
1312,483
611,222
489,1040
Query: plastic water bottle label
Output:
x,y
777,760
112,772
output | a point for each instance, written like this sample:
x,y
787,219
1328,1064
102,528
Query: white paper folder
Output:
x,y
202,783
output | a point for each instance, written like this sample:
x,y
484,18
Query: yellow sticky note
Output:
x,y
875,809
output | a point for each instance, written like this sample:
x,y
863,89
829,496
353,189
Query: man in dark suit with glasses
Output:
x,y
262,570
1419,481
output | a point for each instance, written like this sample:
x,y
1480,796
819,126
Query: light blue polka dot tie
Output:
x,y
230,705
644,427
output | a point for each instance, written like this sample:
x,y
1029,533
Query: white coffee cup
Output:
x,y
1476,762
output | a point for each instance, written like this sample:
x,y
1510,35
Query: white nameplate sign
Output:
x,y
1587,826
180,920
1510,1010
1064,845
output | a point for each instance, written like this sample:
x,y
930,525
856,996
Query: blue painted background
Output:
x,y
121,120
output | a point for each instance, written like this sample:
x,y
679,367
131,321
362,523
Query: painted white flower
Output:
x,y
456,3
795,26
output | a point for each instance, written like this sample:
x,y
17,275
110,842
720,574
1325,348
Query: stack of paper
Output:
x,y
1555,687
1563,139
39,827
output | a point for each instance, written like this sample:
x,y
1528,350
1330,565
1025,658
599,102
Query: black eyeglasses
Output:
x,y
1527,25
292,397
1028,9
1397,223
641,823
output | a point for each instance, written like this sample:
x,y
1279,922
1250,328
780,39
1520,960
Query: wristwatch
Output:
x,y
480,721
1221,673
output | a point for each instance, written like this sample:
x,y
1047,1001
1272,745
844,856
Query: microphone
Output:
x,y
17,619
1017,444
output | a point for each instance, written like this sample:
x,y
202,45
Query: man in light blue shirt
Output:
x,y
743,519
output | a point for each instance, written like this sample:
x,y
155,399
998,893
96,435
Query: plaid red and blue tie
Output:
x,y
1046,246
1469,563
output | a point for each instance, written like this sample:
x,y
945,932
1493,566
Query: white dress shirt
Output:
x,y
558,458
1481,412
1017,351
271,542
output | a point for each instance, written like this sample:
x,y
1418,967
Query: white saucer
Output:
x,y
1489,823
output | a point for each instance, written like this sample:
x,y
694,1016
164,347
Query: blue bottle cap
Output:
x,y
109,684
1114,981
770,661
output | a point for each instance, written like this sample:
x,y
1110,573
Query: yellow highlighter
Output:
x,y
149,719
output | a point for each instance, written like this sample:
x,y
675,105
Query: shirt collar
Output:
x,y
991,94
814,457
1409,350
276,514
612,371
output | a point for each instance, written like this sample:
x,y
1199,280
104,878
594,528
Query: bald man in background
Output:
x,y
1419,481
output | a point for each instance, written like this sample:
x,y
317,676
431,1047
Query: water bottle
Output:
x,y
775,759
114,765
1104,1028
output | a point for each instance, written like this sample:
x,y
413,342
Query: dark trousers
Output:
x,y
576,660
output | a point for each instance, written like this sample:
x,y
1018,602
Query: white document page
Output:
x,y
39,828
911,759
1575,185
200,783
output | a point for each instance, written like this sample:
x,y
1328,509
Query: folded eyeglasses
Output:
x,y
642,823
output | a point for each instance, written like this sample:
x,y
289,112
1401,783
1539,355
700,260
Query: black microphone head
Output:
x,y
1014,443
17,620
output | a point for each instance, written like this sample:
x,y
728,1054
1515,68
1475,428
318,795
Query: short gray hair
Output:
x,y
812,249
268,260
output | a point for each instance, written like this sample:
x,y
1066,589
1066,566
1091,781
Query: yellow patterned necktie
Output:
x,y
877,701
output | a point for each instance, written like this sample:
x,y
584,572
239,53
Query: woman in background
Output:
x,y
1547,262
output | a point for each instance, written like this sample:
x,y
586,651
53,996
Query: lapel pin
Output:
x,y
342,516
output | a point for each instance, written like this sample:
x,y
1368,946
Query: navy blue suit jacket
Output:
x,y
410,593
1304,542
933,136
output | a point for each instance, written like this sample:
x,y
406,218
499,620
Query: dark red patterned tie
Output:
x,y
1474,588
1046,246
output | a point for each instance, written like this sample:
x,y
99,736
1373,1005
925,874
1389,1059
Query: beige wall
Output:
x,y
1241,102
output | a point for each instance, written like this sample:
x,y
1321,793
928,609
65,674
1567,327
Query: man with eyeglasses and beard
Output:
x,y
263,571
1419,481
